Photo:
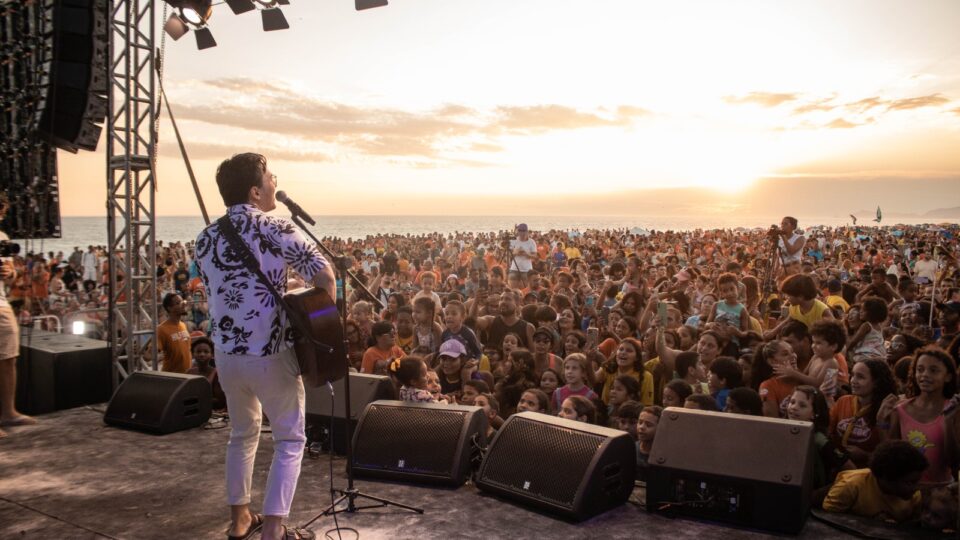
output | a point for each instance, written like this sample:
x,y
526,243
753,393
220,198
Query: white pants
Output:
x,y
273,381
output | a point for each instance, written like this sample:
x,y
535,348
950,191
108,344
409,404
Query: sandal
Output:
x,y
298,534
22,420
254,527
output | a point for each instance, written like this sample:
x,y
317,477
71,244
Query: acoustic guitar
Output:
x,y
318,364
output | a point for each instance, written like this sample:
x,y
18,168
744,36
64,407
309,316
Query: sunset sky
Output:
x,y
456,106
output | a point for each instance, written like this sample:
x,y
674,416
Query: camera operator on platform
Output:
x,y
9,340
523,249
791,245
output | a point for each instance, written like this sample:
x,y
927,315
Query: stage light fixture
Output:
x,y
78,328
273,19
196,12
205,38
267,3
175,27
241,6
369,4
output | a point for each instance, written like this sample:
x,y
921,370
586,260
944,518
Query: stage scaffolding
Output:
x,y
131,185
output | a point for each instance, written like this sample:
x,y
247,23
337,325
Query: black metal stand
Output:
x,y
351,494
768,279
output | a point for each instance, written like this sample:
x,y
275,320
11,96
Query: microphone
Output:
x,y
294,208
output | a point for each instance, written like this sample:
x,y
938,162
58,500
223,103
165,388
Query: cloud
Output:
x,y
766,99
815,106
840,123
422,136
205,150
866,104
956,111
917,102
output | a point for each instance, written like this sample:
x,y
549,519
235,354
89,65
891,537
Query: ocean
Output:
x,y
83,231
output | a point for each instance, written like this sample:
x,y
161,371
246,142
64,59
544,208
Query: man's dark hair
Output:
x,y
729,370
705,402
792,221
892,460
168,300
796,329
747,399
235,177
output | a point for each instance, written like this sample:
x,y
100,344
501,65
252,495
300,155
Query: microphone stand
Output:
x,y
351,494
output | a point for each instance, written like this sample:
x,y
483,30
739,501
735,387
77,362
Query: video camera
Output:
x,y
9,249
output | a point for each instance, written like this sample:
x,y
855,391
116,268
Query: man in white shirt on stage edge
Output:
x,y
523,249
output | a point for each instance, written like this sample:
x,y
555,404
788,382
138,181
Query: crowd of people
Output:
x,y
852,329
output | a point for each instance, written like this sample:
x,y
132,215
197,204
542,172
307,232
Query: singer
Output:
x,y
255,358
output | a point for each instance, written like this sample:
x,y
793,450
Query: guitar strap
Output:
x,y
250,263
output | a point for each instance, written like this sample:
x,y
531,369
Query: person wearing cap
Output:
x,y
523,249
385,349
454,367
544,341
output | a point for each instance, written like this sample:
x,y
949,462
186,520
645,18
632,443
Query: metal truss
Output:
x,y
131,185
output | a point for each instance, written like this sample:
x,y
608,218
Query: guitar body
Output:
x,y
318,309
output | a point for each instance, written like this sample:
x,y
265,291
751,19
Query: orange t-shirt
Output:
x,y
374,355
607,347
777,390
862,436
173,341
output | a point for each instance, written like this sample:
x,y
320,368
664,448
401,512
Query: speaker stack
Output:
x,y
326,417
572,469
61,371
755,472
418,442
161,403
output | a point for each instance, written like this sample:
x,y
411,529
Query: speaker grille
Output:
x,y
409,439
562,457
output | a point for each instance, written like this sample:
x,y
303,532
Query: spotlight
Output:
x,y
267,3
175,27
368,4
241,6
78,328
205,38
273,19
196,12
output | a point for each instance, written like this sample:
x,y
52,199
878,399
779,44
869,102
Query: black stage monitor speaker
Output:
x,y
419,442
160,402
569,468
61,371
750,471
363,390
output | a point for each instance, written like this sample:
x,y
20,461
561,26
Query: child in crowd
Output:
x,y
744,400
701,402
775,391
550,380
675,393
471,389
920,419
647,424
725,375
534,400
202,351
801,292
433,386
578,408
868,342
491,409
730,311
885,491
854,418
579,380
543,357
625,388
520,379
627,417
427,333
453,316
808,404
627,360
411,372
690,370
827,338
404,324
453,356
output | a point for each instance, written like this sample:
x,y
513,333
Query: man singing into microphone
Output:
x,y
255,359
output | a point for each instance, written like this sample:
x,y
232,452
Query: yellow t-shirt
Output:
x,y
834,301
646,386
810,317
856,492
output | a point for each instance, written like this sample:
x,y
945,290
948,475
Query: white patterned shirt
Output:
x,y
245,318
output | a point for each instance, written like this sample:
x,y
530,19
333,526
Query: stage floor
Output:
x,y
72,477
